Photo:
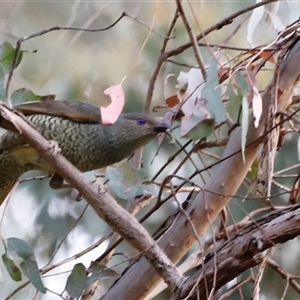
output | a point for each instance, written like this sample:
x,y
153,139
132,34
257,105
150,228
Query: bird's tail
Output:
x,y
5,187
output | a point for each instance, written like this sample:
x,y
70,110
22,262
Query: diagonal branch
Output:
x,y
242,251
103,203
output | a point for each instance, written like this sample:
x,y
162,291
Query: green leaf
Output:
x,y
76,281
2,83
202,129
212,94
245,122
125,181
26,95
100,273
17,247
237,89
7,53
241,84
252,174
235,102
13,271
31,270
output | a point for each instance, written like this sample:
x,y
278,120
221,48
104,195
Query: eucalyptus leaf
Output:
x,y
76,281
2,83
18,247
252,174
245,122
242,84
202,130
26,95
31,270
211,92
12,269
125,181
7,53
99,273
235,102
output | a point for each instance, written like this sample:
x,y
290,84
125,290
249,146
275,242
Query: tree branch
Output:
x,y
103,203
242,251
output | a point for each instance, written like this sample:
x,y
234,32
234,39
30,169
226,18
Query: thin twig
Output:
x,y
159,63
40,33
217,26
284,274
192,38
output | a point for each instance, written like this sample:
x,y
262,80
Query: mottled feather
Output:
x,y
83,140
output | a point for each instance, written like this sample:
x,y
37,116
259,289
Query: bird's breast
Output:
x,y
88,146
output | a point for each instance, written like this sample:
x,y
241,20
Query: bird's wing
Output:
x,y
77,111
74,110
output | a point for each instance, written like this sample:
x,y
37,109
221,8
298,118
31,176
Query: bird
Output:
x,y
82,138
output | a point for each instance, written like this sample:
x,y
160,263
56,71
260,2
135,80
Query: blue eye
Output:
x,y
141,121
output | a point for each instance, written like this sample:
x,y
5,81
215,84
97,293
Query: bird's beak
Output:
x,y
161,127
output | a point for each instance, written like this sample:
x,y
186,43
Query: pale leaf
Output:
x,y
245,121
110,114
257,106
255,18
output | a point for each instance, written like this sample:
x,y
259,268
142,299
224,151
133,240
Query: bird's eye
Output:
x,y
141,121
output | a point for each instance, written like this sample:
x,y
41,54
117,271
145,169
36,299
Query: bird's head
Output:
x,y
136,129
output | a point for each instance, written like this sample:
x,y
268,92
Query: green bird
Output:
x,y
82,138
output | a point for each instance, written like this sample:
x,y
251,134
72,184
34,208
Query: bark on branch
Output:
x,y
242,251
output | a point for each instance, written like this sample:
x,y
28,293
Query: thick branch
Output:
x,y
104,204
242,251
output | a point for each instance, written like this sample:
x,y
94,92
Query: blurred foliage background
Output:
x,y
81,65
